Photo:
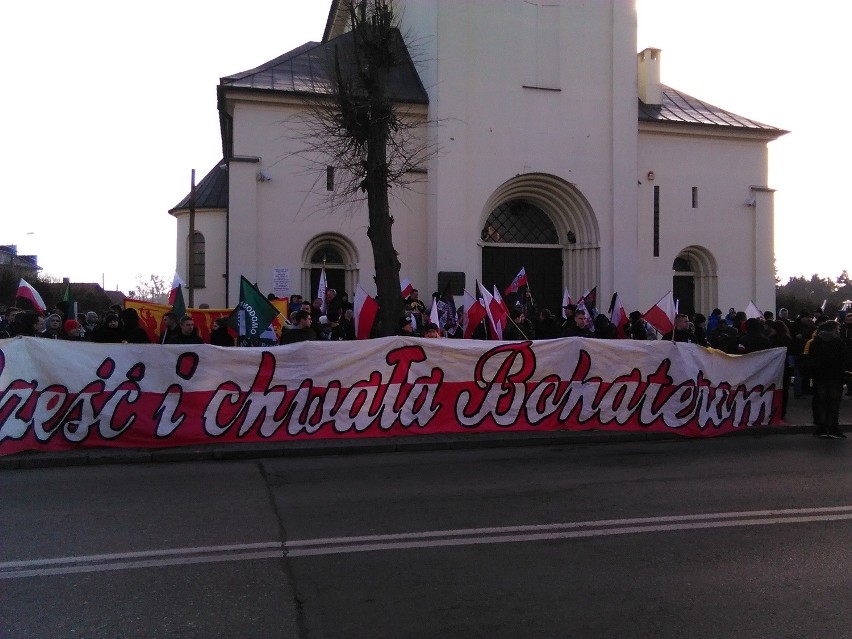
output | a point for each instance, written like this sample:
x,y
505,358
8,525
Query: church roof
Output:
x,y
210,193
680,108
307,69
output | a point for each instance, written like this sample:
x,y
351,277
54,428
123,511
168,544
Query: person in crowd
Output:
x,y
332,302
187,333
604,328
345,304
170,327
781,338
72,331
432,331
547,326
91,320
700,324
636,329
406,328
414,306
846,336
52,327
335,330
27,324
347,324
220,336
579,327
827,359
302,330
713,320
133,332
684,330
514,327
110,332
804,330
754,339
8,321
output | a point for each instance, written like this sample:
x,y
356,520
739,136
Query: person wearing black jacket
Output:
x,y
827,358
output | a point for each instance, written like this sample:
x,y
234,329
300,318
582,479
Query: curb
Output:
x,y
248,451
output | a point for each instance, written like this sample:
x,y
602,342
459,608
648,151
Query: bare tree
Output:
x,y
374,141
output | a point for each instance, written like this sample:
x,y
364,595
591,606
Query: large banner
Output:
x,y
59,395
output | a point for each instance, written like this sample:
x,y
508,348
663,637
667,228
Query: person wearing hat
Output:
x,y
72,331
827,358
405,326
52,327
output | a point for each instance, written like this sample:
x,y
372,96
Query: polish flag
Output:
x,y
491,307
177,283
26,291
474,313
501,315
566,300
661,315
365,309
519,281
405,287
618,317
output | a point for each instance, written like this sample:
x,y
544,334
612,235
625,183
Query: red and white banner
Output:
x,y
61,395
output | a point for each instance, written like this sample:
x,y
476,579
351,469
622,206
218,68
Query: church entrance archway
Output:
x,y
694,282
339,258
543,224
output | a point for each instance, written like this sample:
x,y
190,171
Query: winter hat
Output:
x,y
70,325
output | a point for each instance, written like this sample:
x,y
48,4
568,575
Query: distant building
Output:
x,y
560,150
25,266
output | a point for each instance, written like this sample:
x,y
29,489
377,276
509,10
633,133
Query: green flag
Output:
x,y
254,311
70,303
178,306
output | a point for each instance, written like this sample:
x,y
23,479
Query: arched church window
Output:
x,y
519,222
327,254
682,265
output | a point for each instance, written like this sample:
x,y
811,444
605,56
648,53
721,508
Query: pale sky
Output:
x,y
109,106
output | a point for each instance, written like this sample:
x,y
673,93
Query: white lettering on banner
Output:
x,y
412,386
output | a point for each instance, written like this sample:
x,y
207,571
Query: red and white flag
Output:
x,y
26,291
405,287
519,281
365,309
662,314
566,300
491,307
474,313
501,312
177,283
619,318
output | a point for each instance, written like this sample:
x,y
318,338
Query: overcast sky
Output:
x,y
108,106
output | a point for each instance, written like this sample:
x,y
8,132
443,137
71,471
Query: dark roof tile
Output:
x,y
680,108
306,70
211,192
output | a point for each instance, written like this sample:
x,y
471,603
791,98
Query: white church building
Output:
x,y
558,149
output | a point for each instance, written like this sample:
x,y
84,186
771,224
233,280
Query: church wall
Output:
x,y
293,207
491,127
211,224
723,170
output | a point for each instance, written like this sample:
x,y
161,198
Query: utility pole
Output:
x,y
190,263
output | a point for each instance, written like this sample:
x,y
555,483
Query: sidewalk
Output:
x,y
798,421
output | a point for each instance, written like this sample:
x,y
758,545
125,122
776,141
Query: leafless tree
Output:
x,y
375,142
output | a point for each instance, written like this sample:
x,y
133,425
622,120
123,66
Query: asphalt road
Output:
x,y
728,537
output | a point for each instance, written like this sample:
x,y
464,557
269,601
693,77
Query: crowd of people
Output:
x,y
818,361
